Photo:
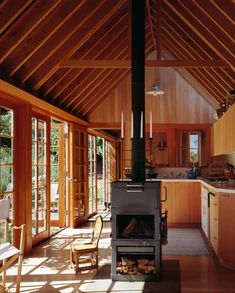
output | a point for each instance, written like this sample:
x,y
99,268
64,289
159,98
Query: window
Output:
x,y
6,157
39,171
92,170
190,148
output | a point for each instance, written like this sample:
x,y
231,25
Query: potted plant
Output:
x,y
150,169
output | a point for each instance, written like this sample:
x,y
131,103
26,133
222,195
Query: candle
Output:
x,y
132,125
141,125
122,126
150,125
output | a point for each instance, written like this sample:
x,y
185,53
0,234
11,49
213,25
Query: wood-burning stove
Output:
x,y
136,213
136,231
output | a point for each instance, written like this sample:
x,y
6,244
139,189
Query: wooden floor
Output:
x,y
47,270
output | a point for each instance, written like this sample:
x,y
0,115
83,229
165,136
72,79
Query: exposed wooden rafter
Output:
x,y
200,28
73,53
148,63
159,29
149,16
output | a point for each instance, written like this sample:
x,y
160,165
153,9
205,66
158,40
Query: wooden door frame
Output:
x,y
61,172
74,222
45,234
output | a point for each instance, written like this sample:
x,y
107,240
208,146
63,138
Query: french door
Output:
x,y
40,177
78,201
7,165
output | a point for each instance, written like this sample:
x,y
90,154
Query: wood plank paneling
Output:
x,y
180,103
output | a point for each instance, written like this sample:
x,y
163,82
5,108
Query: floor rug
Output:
x,y
185,242
170,281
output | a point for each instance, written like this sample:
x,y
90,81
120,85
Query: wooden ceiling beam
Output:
x,y
148,63
178,53
159,28
104,90
224,38
58,16
179,30
110,48
129,27
105,79
179,39
93,23
225,8
191,37
91,49
110,84
12,40
204,90
86,101
200,30
89,85
10,10
81,84
149,17
217,19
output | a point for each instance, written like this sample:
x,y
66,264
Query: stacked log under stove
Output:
x,y
136,231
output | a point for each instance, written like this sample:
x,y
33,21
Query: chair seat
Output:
x,y
86,247
7,250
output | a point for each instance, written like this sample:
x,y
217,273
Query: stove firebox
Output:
x,y
136,231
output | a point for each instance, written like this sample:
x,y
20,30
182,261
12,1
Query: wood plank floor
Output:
x,y
47,270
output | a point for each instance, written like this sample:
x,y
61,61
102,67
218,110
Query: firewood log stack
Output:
x,y
136,267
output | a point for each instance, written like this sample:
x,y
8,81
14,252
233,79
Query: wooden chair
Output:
x,y
3,289
85,256
9,253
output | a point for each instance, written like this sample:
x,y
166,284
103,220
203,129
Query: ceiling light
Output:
x,y
155,90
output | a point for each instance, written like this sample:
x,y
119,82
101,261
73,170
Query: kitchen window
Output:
x,y
190,148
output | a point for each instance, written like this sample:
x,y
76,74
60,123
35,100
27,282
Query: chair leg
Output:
x,y
4,274
71,258
96,255
76,263
18,278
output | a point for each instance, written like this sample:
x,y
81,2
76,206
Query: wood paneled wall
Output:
x,y
180,103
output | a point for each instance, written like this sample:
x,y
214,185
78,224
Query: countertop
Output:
x,y
217,187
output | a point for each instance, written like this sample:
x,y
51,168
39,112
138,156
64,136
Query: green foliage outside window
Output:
x,y
6,149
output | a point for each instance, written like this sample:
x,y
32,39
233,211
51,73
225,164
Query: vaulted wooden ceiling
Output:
x,y
72,53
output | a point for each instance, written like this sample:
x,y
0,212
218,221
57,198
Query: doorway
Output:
x,y
57,176
101,158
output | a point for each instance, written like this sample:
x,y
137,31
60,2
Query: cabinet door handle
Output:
x,y
215,219
215,238
165,193
214,204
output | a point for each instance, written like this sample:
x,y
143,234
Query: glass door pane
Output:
x,y
6,159
92,173
39,177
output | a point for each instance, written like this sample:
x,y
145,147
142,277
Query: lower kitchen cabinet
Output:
x,y
214,221
226,224
183,202
186,202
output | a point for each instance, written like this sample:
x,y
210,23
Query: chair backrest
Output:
x,y
22,229
54,191
97,229
5,204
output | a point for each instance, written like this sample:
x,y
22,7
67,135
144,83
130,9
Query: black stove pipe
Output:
x,y
138,90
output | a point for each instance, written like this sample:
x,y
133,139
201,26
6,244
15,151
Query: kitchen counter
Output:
x,y
217,187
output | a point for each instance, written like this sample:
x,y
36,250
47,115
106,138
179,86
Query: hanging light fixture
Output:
x,y
155,90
